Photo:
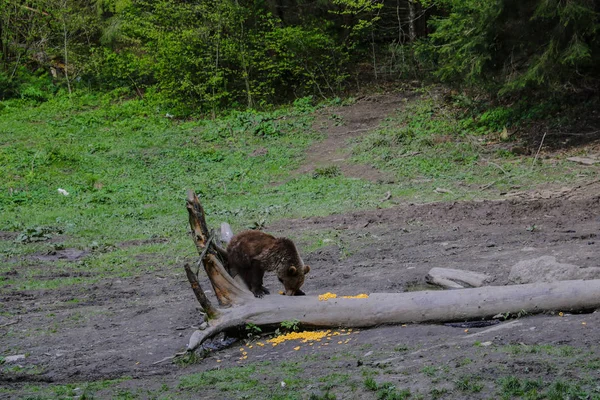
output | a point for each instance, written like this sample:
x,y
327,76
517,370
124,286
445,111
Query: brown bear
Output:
x,y
251,253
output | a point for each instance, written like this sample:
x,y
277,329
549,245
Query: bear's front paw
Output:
x,y
265,290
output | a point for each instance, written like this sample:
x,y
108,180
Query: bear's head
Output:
x,y
291,269
293,278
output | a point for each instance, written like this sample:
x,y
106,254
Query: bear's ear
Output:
x,y
306,269
292,270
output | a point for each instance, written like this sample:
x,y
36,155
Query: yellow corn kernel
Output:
x,y
327,296
358,296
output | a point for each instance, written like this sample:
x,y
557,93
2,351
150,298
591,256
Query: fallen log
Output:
x,y
239,307
399,308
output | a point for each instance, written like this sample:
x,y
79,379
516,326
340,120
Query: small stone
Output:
x,y
14,358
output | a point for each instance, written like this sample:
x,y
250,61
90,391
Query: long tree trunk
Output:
x,y
376,309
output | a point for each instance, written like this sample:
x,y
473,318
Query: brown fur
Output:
x,y
251,253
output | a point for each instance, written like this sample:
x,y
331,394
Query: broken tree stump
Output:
x,y
239,306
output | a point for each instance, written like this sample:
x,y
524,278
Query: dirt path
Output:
x,y
342,124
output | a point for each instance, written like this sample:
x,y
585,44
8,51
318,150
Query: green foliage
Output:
x,y
386,391
36,234
252,330
290,325
325,396
512,386
514,45
469,384
327,172
26,86
212,56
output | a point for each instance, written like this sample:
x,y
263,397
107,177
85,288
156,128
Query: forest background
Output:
x,y
204,57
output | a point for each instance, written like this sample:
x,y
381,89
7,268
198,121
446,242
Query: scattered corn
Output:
x,y
297,348
305,336
327,296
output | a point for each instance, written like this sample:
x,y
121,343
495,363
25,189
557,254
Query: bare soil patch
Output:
x,y
121,327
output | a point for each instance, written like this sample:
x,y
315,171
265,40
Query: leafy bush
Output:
x,y
513,45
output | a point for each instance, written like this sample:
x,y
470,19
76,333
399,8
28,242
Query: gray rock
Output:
x,y
9,359
547,269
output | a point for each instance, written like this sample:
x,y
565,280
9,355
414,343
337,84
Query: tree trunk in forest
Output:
x,y
240,307
412,32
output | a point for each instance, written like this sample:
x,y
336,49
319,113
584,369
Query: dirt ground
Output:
x,y
120,328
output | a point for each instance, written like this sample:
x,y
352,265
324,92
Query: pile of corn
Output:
x,y
328,295
305,336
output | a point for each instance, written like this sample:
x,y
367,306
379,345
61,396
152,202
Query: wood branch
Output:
x,y
200,230
398,308
227,290
207,306
455,279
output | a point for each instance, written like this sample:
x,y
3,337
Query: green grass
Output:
x,y
514,387
126,168
554,350
84,390
386,390
256,381
429,145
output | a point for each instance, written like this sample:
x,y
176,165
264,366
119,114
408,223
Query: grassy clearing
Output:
x,y
343,378
431,145
126,167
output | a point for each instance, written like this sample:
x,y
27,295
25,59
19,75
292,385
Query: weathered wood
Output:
x,y
200,231
455,279
226,291
398,308
378,308
206,304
